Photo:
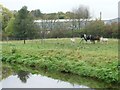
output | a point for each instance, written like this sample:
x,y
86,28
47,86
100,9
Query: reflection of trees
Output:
x,y
8,69
23,75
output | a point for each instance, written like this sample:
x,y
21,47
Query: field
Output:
x,y
98,61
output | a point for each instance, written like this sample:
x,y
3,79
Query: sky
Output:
x,y
109,8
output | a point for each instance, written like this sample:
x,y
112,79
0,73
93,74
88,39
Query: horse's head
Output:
x,y
83,36
98,38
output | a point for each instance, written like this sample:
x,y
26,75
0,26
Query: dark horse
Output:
x,y
90,37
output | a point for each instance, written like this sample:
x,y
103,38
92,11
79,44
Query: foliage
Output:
x,y
95,27
98,60
9,30
98,27
6,16
24,25
36,14
67,77
111,30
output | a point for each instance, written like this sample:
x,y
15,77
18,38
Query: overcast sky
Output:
x,y
109,8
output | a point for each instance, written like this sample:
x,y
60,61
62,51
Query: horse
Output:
x,y
104,39
72,40
90,37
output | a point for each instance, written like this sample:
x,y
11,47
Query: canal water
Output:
x,y
37,81
17,76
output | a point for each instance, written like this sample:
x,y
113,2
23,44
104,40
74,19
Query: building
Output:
x,y
67,24
115,20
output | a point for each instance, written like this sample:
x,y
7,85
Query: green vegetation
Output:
x,y
20,25
99,61
5,15
15,69
24,24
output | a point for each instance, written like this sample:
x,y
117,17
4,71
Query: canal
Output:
x,y
18,76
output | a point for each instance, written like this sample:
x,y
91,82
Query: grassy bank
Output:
x,y
98,60
15,69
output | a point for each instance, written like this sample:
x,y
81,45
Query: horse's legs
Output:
x,y
81,40
93,41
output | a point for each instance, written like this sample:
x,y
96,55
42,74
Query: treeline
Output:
x,y
20,24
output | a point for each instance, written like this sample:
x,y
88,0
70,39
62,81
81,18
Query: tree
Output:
x,y
9,30
81,13
0,24
61,15
111,30
36,14
4,19
95,27
23,75
24,24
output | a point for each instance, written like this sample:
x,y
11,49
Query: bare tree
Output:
x,y
81,14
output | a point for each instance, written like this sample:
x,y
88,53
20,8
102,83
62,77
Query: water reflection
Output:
x,y
24,77
0,86
36,81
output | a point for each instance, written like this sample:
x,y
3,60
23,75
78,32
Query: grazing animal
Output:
x,y
103,39
72,40
90,37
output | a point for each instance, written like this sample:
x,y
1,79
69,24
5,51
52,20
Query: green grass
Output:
x,y
98,60
67,77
